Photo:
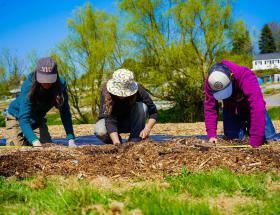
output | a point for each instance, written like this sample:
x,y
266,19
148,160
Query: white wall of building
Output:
x,y
266,64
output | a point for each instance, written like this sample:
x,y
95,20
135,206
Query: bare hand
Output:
x,y
213,140
117,144
145,133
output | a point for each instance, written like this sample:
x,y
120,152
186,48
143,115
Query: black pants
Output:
x,y
133,123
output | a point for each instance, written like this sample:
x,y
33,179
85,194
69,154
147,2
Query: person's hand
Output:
x,y
71,143
213,140
145,133
37,143
117,144
115,138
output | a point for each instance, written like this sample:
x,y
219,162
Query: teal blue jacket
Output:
x,y
30,117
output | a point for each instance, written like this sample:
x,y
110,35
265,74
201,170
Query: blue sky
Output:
x,y
27,25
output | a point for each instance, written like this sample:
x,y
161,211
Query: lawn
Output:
x,y
210,192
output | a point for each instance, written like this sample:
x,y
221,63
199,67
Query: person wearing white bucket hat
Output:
x,y
124,105
25,117
243,104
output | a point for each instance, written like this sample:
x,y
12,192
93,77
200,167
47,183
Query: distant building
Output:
x,y
267,61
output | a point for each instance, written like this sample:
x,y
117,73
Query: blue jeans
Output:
x,y
236,127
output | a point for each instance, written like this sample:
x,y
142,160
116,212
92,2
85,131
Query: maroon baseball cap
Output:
x,y
46,70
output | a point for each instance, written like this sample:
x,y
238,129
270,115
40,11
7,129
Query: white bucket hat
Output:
x,y
122,83
220,81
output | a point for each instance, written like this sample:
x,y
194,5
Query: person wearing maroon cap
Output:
x,y
243,104
25,117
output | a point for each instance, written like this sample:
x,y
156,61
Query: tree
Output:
x,y
177,42
266,42
11,70
241,46
4,90
241,42
85,57
275,29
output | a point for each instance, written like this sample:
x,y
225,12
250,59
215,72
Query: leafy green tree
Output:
x,y
86,56
4,90
241,48
176,44
241,42
275,29
11,71
266,42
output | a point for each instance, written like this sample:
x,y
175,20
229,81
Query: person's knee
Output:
x,y
100,128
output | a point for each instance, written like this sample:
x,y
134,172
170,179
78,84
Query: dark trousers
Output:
x,y
133,123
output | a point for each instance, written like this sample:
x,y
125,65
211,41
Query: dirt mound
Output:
x,y
145,159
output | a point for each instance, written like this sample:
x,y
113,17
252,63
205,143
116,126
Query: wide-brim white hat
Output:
x,y
122,83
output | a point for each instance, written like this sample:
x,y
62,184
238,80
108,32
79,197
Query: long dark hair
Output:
x,y
56,92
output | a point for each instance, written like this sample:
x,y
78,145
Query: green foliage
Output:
x,y
2,121
182,59
243,59
169,115
261,73
275,29
86,56
271,91
241,42
11,71
266,42
169,45
188,193
274,113
4,88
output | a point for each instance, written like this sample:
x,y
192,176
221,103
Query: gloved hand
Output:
x,y
71,143
37,143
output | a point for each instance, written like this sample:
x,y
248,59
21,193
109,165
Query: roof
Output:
x,y
268,56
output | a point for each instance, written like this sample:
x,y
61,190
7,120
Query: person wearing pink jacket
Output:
x,y
244,109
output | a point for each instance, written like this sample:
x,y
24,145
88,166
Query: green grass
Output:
x,y
274,113
53,119
212,183
187,193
